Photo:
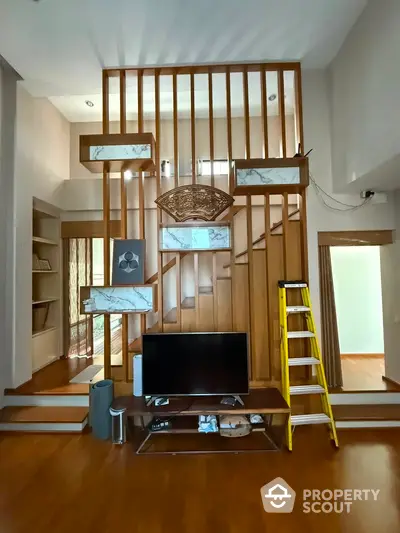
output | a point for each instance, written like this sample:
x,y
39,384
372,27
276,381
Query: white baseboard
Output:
x,y
46,400
353,424
51,427
365,398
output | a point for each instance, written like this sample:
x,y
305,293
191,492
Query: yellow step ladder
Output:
x,y
313,361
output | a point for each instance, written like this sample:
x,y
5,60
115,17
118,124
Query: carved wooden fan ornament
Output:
x,y
194,202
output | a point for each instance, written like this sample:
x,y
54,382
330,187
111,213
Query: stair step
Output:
x,y
300,334
305,420
366,412
306,389
206,290
298,284
297,309
47,419
188,303
303,361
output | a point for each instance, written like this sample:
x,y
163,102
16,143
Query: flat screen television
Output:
x,y
195,364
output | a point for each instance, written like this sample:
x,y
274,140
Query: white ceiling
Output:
x,y
60,46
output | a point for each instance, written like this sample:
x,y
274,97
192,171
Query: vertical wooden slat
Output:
x,y
196,287
142,229
281,99
264,111
250,281
85,243
78,307
303,225
178,289
193,128
231,187
299,109
90,243
124,221
158,185
66,302
270,315
215,289
211,125
246,108
285,229
122,100
106,227
175,119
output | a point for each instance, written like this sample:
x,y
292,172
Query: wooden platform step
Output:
x,y
366,412
46,419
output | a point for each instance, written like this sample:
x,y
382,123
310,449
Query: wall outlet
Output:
x,y
377,198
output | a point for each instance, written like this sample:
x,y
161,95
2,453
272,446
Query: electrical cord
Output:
x,y
320,192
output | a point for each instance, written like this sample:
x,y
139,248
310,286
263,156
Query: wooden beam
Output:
x,y
246,108
250,281
298,92
106,103
285,229
142,229
159,218
355,238
211,125
193,128
196,287
122,101
175,119
215,289
89,229
281,99
264,111
124,221
178,289
270,315
303,235
231,187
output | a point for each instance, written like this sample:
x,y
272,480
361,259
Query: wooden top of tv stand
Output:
x,y
258,401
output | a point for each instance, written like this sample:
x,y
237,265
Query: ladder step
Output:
x,y
297,309
299,334
304,420
306,389
298,284
303,361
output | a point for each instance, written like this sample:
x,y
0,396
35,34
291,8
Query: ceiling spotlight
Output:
x,y
272,97
128,175
89,103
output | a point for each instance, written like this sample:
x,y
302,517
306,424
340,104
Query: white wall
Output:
x,y
41,166
358,297
365,79
8,88
318,136
390,267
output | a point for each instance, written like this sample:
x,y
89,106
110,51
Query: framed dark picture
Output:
x,y
128,261
44,264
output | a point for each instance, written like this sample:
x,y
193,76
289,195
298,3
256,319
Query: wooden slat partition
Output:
x,y
231,186
175,119
268,258
281,99
303,235
159,214
264,111
193,127
246,108
142,230
250,276
178,288
215,289
285,226
196,286
106,223
298,94
211,125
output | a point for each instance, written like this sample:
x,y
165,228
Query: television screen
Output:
x,y
177,364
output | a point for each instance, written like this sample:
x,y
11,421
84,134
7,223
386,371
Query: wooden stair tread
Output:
x,y
188,303
171,316
43,414
366,412
76,389
205,290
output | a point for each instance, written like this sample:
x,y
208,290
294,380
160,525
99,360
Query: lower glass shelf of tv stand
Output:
x,y
183,437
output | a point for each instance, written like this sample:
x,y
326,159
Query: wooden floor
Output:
x,y
362,372
64,483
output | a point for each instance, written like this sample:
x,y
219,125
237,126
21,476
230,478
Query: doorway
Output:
x,y
357,285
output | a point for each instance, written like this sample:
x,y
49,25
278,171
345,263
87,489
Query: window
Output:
x,y
221,167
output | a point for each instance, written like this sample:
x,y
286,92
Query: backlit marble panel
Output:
x,y
195,238
119,300
120,151
268,176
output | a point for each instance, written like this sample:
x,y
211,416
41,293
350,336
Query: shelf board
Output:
x,y
44,271
48,300
42,240
43,331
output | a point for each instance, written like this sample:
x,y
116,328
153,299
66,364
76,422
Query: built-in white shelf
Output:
x,y
43,331
42,240
44,271
48,300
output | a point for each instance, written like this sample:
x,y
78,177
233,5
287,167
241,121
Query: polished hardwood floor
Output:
x,y
364,372
69,483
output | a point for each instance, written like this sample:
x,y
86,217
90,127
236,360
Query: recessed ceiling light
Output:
x,y
272,97
89,103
